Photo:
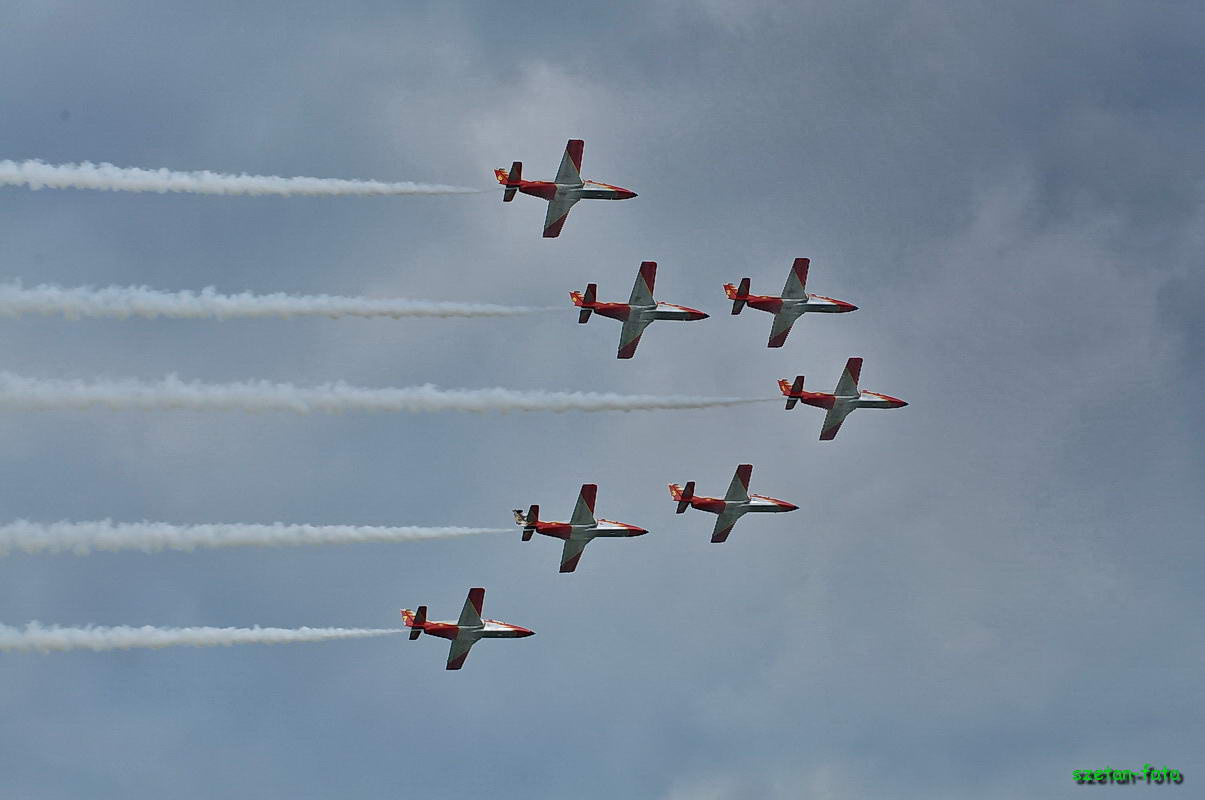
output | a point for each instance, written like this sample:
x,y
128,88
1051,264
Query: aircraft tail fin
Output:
x,y
791,390
528,521
738,295
510,180
415,620
683,494
584,300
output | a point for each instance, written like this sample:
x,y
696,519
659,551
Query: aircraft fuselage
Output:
x,y
812,303
626,311
588,190
756,503
863,399
603,527
489,629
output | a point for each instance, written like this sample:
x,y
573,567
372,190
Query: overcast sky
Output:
x,y
981,592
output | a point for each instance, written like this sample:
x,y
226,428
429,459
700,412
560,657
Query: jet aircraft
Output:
x,y
637,313
736,503
562,192
795,301
578,531
465,632
839,402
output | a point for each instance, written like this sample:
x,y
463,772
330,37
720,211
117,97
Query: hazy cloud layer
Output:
x,y
1000,580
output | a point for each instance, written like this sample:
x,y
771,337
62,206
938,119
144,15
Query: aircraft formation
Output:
x,y
641,309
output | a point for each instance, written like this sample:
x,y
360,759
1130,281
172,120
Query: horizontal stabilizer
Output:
x,y
513,178
792,392
587,299
741,295
529,522
415,621
685,496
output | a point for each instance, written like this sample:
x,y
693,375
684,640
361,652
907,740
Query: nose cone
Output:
x,y
846,307
896,402
634,531
789,507
696,314
524,632
626,194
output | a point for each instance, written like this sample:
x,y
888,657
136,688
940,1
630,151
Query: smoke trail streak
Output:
x,y
141,301
17,392
106,177
45,639
82,538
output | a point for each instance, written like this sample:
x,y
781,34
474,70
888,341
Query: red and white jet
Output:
x,y
795,301
465,632
578,531
736,503
839,402
637,313
563,192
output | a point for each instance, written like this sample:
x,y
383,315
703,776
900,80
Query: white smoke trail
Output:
x,y
106,177
82,538
35,637
127,301
17,392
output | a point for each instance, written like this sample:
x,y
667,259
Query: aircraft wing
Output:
x,y
781,328
797,280
470,615
629,335
571,553
558,212
848,385
739,488
642,290
583,512
724,524
571,163
832,421
459,651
